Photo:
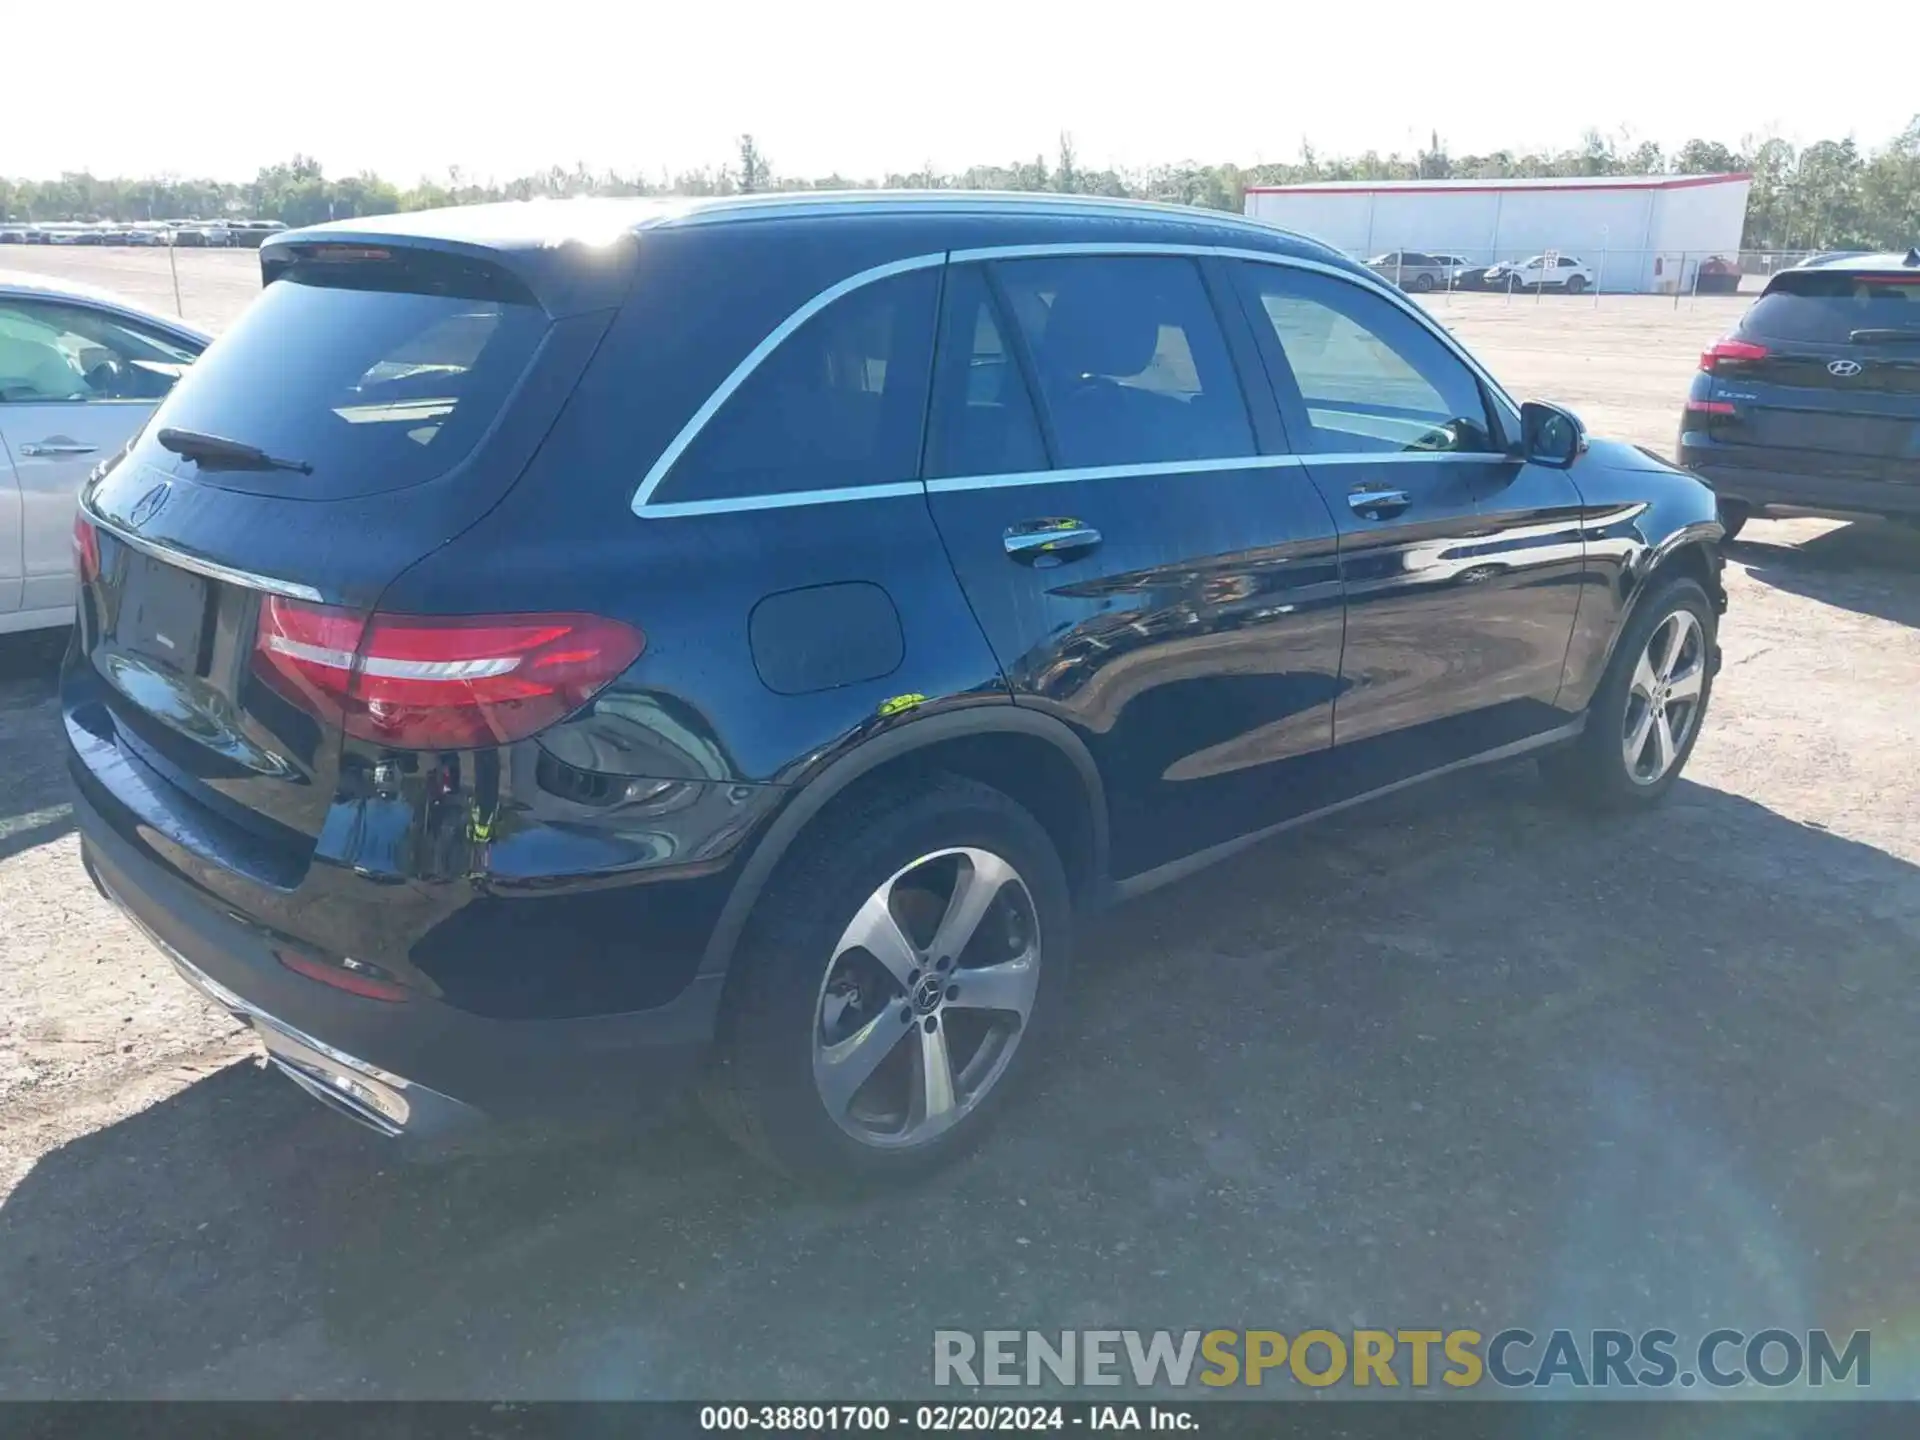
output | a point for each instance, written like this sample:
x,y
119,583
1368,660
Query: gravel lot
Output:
x,y
1461,1059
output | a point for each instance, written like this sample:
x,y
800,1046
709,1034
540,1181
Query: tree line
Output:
x,y
1832,194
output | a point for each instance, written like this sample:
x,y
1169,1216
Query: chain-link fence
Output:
x,y
1595,277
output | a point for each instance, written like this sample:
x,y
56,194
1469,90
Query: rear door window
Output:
x,y
840,403
983,417
1130,360
376,385
1836,308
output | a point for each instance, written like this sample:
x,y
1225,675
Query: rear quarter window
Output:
x,y
839,404
1830,307
376,386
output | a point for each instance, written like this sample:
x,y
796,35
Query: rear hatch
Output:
x,y
1823,375
373,403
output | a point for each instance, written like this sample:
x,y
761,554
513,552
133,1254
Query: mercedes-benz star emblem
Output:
x,y
148,505
1845,369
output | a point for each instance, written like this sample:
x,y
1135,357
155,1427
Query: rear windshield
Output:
x,y
376,388
1833,308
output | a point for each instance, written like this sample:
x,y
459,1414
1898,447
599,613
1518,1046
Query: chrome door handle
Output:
x,y
1048,542
57,447
1378,504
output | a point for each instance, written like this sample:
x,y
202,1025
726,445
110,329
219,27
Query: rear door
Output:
x,y
1827,379
1458,560
76,382
1145,560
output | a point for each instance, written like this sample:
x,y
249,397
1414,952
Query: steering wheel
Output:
x,y
108,379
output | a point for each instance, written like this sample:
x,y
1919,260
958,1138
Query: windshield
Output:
x,y
375,388
1828,307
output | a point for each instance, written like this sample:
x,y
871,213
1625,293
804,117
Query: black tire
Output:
x,y
1593,770
1575,284
1733,517
760,1086
1422,284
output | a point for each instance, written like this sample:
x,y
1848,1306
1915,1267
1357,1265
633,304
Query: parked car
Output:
x,y
1812,403
1719,275
1460,273
80,371
1565,273
253,233
12,233
492,744
147,233
1412,269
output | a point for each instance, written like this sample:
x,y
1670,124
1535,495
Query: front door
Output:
x,y
1461,564
9,539
1144,561
75,385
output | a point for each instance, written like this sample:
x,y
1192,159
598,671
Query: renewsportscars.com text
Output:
x,y
1412,1359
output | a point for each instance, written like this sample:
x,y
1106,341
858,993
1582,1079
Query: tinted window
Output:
x,y
375,388
983,421
1371,377
1130,361
1829,307
839,403
50,351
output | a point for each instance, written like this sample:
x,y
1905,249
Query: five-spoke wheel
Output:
x,y
1663,697
926,996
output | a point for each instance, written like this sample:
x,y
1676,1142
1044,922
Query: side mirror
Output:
x,y
1550,435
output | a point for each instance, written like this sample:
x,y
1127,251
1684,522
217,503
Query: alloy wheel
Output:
x,y
926,997
1663,697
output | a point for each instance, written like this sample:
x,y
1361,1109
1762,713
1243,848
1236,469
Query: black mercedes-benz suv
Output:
x,y
543,651
1812,404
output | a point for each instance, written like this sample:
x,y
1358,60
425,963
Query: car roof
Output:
x,y
36,286
1861,260
530,237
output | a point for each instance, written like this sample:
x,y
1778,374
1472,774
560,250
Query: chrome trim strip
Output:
x,y
661,467
1425,457
1173,870
888,491
212,569
949,484
766,347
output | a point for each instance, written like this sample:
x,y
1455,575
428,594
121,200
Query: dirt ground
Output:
x,y
1462,1058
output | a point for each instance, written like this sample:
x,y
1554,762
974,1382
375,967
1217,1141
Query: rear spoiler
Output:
x,y
568,277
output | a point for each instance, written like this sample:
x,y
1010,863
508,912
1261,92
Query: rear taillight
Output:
x,y
1730,352
86,549
419,682
1710,407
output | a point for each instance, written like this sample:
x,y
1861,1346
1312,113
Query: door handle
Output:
x,y
1048,542
1378,504
57,447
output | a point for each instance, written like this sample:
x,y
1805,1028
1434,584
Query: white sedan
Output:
x,y
80,371
1565,272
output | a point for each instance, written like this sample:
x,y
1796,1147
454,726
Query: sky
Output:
x,y
407,89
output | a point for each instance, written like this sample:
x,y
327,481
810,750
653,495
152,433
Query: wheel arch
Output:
x,y
1033,758
1691,550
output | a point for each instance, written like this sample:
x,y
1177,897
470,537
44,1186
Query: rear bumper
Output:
x,y
415,1067
1793,489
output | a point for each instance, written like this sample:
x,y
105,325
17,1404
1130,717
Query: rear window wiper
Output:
x,y
1885,337
215,452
